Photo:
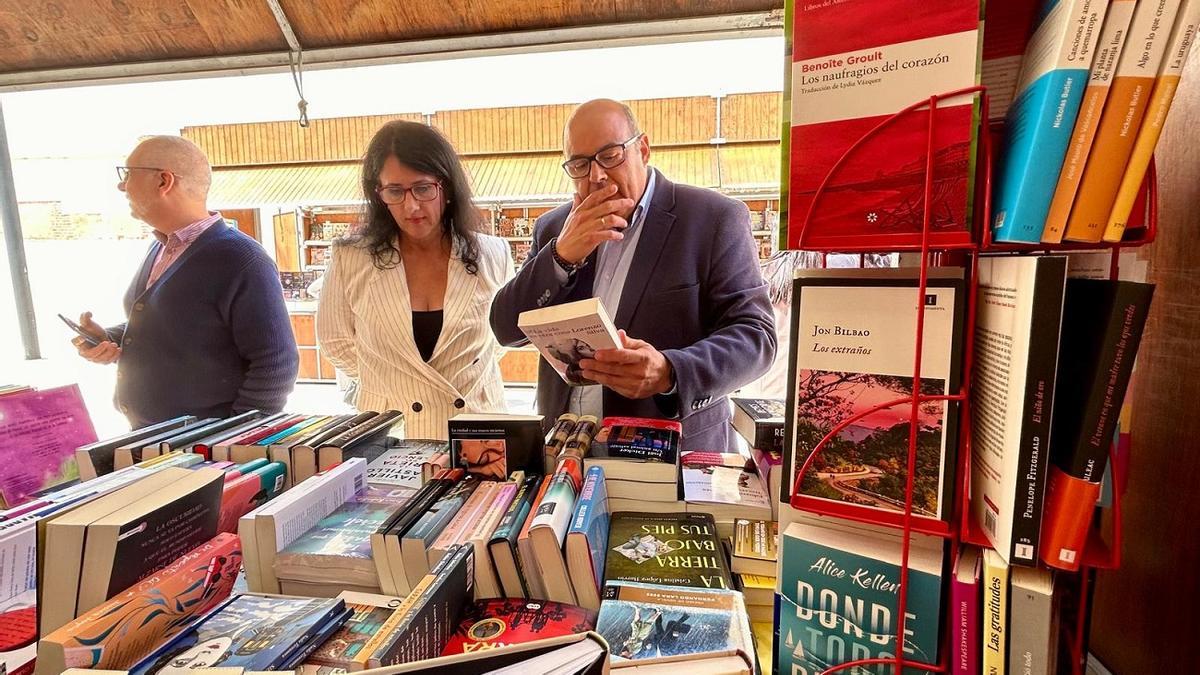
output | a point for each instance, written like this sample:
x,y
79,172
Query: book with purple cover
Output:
x,y
39,431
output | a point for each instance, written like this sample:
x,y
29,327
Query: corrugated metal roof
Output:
x,y
497,178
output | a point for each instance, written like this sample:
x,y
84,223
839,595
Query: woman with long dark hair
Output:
x,y
403,304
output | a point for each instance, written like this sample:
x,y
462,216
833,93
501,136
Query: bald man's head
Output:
x,y
181,157
601,110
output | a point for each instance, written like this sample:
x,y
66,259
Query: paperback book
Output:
x,y
490,624
568,333
760,422
492,446
39,432
642,621
852,351
402,465
669,549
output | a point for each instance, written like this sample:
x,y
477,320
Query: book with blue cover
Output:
x,y
1054,75
251,631
646,621
587,539
838,588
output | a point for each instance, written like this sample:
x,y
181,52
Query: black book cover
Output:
x,y
494,446
433,618
669,549
408,516
760,422
1102,329
103,453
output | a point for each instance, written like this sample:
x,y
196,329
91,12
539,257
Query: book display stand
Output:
x,y
1102,552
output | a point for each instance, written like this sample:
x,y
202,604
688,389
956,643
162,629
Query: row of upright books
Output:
x,y
1079,92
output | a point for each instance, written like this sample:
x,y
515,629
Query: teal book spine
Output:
x,y
1054,75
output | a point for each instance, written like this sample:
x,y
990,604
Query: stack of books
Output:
x,y
726,486
640,458
755,555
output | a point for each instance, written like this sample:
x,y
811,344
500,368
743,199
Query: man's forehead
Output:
x,y
586,136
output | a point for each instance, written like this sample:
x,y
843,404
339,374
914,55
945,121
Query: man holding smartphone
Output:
x,y
207,331
675,266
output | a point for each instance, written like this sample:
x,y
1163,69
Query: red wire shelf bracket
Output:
x,y
958,525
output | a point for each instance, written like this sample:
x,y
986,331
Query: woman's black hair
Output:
x,y
421,148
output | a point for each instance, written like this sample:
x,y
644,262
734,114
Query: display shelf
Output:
x,y
1101,552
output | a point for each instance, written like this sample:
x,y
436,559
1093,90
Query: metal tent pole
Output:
x,y
15,244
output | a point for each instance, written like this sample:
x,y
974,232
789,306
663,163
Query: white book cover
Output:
x,y
402,466
1017,325
724,485
568,333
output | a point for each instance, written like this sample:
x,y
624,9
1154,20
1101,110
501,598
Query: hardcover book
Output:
x,y
568,333
1017,324
253,632
643,621
839,585
1104,64
854,65
1053,76
122,631
1183,37
760,422
401,466
1124,111
39,432
852,350
668,549
492,446
491,624
587,540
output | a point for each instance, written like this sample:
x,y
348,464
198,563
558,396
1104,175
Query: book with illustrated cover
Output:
x,y
503,544
760,422
669,549
548,532
344,649
1054,74
415,543
402,465
852,350
122,631
839,586
708,478
587,539
854,65
39,432
338,547
643,621
493,445
637,449
568,333
490,624
1017,326
254,632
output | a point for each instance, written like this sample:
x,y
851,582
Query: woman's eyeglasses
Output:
x,y
609,157
422,192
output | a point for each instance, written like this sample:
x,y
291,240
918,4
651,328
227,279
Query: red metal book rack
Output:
x,y
959,526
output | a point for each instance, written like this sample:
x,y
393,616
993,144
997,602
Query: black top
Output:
x,y
427,326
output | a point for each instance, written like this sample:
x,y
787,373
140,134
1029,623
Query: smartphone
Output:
x,y
88,337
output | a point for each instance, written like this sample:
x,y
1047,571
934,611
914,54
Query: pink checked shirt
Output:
x,y
176,243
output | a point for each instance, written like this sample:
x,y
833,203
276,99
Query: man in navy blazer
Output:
x,y
675,267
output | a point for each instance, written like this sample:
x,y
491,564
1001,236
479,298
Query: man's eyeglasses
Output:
x,y
609,157
123,171
422,192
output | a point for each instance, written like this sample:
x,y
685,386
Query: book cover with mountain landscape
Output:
x,y
852,362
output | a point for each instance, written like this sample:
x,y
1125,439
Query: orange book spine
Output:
x,y
1066,519
1122,119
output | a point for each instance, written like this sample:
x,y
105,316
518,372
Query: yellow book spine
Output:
x,y
1183,36
1114,143
995,613
1128,101
1104,65
1139,159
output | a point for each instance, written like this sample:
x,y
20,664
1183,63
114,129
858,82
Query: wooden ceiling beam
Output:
x,y
754,24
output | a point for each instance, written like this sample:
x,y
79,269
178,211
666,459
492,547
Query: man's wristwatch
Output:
x,y
568,267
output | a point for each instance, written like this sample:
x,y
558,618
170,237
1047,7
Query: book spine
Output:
x,y
1182,38
1122,118
1108,51
1053,78
1034,445
1029,640
995,613
964,598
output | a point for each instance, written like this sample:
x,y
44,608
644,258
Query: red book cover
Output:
x,y
966,613
489,624
855,64
237,499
